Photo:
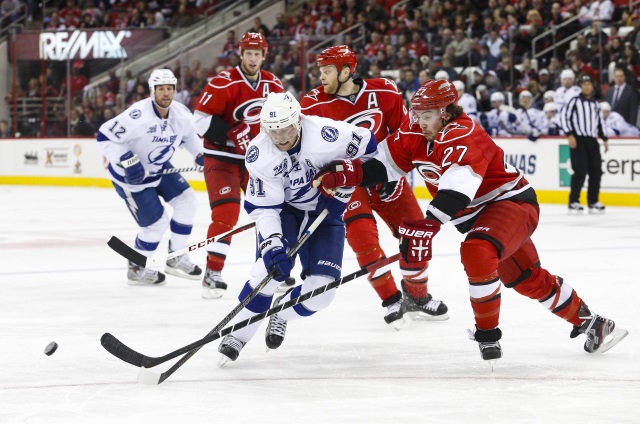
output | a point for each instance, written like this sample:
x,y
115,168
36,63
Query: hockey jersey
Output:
x,y
378,106
231,96
469,105
277,177
532,121
615,125
461,159
563,95
141,130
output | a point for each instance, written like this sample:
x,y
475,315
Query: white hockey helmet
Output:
x,y
523,94
549,95
442,74
605,107
279,111
459,86
550,107
161,77
567,74
497,97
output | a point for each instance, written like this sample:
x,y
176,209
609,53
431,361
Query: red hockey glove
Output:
x,y
342,173
240,134
416,239
390,191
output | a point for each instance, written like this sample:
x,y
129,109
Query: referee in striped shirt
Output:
x,y
582,122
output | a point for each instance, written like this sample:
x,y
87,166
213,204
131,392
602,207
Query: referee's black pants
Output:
x,y
586,160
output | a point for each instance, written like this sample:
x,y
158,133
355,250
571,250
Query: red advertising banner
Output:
x,y
86,44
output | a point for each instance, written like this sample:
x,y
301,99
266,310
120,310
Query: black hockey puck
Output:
x,y
51,348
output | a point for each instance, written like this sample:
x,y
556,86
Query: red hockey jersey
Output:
x,y
378,106
462,159
232,97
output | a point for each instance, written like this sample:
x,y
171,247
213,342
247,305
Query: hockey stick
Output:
x,y
148,362
125,353
176,170
138,258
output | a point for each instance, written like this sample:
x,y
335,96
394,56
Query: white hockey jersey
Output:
x,y
277,177
141,130
469,105
617,126
504,122
532,121
563,95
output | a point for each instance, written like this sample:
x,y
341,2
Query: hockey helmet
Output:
x,y
279,111
550,107
605,107
567,74
434,95
339,56
497,97
253,41
442,74
161,77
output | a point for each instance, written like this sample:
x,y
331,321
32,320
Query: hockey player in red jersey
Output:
x,y
227,116
484,197
376,104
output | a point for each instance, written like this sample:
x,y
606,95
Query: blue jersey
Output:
x,y
141,130
277,177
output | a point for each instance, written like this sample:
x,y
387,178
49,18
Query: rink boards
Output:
x,y
546,164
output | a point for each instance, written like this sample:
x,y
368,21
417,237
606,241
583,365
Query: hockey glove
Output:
x,y
390,191
416,239
342,173
274,255
512,117
336,204
240,135
200,159
133,169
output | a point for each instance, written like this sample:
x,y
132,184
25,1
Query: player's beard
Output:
x,y
331,87
247,71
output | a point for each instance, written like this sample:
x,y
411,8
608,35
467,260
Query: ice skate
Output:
x,y
276,328
426,309
488,343
230,349
596,208
575,208
140,276
181,266
601,332
395,312
213,286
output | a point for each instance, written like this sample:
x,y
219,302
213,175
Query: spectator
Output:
x,y
74,82
182,19
622,98
259,27
11,9
460,46
494,42
5,129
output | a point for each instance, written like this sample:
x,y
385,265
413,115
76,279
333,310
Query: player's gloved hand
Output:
x,y
390,191
616,131
416,239
274,255
484,121
133,169
240,134
342,173
532,137
200,159
335,206
512,117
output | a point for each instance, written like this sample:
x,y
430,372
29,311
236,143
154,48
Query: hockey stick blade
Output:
x,y
124,250
120,350
147,377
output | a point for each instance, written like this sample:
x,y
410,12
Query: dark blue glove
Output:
x,y
335,206
274,255
532,137
200,159
133,169
616,131
512,117
484,121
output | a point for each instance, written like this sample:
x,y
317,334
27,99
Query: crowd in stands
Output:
x,y
484,44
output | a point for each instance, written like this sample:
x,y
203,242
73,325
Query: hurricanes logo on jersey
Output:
x,y
430,172
249,111
452,126
369,119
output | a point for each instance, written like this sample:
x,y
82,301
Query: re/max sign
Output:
x,y
82,45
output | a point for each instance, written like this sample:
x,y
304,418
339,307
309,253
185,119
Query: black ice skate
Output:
x,y
213,286
596,208
426,308
140,276
601,332
575,208
230,349
395,312
488,343
276,328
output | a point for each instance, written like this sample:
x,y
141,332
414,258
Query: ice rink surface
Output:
x,y
60,282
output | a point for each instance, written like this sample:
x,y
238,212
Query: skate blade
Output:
x,y
142,283
148,377
223,361
492,364
613,339
421,316
208,293
178,273
399,324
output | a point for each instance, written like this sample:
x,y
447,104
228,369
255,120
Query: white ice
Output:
x,y
60,282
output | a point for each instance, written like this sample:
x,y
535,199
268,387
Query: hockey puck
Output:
x,y
51,348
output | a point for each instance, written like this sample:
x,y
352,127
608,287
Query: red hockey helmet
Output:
x,y
434,95
254,41
338,56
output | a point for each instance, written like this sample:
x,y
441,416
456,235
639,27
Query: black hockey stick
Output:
x,y
176,170
139,259
148,362
125,353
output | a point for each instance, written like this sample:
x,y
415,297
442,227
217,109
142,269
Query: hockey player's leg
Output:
x,y
184,206
223,187
147,210
362,236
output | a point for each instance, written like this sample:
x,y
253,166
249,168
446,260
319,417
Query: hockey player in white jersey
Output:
x,y
532,121
552,125
567,90
282,162
139,144
615,123
501,120
467,101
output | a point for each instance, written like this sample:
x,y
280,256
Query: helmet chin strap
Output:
x,y
341,82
